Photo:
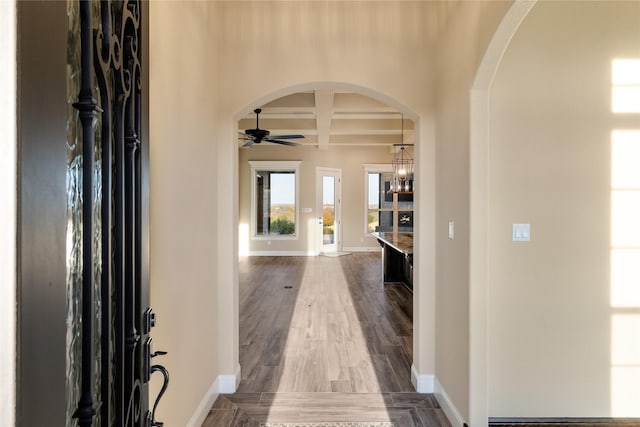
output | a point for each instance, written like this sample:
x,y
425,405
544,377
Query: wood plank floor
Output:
x,y
254,409
316,332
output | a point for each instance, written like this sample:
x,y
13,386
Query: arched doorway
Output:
x,y
479,205
422,371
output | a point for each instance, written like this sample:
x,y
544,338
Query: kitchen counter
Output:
x,y
397,257
401,242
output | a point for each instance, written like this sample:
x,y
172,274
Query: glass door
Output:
x,y
328,208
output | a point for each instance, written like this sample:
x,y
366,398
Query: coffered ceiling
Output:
x,y
330,118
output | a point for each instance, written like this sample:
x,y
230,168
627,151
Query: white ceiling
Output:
x,y
332,118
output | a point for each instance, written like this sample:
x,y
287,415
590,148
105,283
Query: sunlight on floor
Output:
x,y
326,349
625,244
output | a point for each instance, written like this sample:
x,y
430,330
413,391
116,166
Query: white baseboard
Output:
x,y
229,383
205,405
452,413
422,382
361,249
224,384
429,384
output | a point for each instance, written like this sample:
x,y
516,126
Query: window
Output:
x,y
379,209
274,201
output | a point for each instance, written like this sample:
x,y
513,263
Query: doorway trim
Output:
x,y
423,368
8,200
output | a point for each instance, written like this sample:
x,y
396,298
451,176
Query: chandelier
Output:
x,y
402,165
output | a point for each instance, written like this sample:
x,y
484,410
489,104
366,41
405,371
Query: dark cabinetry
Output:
x,y
397,257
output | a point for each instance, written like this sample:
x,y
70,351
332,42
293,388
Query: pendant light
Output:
x,y
402,165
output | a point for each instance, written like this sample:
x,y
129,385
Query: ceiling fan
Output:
x,y
257,135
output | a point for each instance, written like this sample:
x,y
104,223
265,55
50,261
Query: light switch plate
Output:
x,y
520,232
452,230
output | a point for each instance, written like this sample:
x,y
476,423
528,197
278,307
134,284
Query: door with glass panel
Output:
x,y
109,318
328,194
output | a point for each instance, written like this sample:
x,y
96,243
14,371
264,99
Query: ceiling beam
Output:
x,y
289,115
373,115
324,112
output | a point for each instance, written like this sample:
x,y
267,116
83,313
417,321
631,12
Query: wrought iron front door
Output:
x,y
110,347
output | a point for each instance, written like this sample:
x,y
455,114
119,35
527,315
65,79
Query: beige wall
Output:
x,y
258,51
549,312
552,351
349,160
550,316
459,51
380,49
183,204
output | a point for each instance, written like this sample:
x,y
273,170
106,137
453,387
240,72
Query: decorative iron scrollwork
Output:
x,y
111,60
87,108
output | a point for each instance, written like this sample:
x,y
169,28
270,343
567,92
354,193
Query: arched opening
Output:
x,y
422,202
478,237
194,198
580,282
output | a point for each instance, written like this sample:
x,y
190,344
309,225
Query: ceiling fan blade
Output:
x,y
257,135
287,136
277,141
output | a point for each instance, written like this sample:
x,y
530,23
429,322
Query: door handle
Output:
x,y
165,383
